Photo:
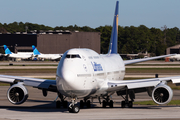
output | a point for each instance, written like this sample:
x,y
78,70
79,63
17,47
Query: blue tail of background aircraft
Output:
x,y
35,51
114,34
6,49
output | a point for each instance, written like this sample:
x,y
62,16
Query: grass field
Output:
x,y
177,64
151,102
27,71
31,65
152,70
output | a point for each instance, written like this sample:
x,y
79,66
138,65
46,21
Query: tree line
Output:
x,y
131,39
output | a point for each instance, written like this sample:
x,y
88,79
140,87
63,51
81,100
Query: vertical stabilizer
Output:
x,y
114,34
6,49
35,51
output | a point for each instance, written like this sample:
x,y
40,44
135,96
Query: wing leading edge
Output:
x,y
34,82
126,62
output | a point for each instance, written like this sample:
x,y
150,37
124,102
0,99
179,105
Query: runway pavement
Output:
x,y
43,108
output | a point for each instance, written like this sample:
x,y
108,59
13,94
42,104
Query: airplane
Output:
x,y
45,56
175,57
22,55
84,74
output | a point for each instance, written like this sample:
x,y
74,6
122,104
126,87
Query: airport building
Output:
x,y
51,42
173,49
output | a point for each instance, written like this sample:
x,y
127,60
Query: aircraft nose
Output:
x,y
68,76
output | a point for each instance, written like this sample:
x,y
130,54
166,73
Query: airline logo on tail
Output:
x,y
6,49
114,34
35,51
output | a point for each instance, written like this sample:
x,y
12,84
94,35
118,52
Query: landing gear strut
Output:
x,y
126,101
85,102
73,108
62,102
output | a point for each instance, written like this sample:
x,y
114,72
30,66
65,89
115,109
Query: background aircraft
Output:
x,y
83,73
22,55
45,56
174,57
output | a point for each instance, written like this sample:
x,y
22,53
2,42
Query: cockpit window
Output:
x,y
68,56
73,56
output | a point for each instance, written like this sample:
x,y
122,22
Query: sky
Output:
x,y
92,13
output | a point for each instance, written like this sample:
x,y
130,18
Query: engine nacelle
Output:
x,y
162,94
17,94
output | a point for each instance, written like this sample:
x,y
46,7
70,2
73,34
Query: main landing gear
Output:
x,y
126,102
85,102
106,102
62,103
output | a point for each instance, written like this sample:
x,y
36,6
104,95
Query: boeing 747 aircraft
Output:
x,y
45,56
18,55
83,73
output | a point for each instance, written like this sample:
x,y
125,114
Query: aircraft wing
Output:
x,y
34,82
126,62
141,83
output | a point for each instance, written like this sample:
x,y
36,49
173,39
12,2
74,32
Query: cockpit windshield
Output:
x,y
72,56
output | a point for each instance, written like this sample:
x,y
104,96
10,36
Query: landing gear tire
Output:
x,y
58,104
74,109
88,104
104,104
70,109
111,104
123,104
65,104
81,104
130,104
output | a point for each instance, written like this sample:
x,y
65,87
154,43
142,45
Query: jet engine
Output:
x,y
162,94
17,94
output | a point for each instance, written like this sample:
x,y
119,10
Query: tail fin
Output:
x,y
114,34
35,51
6,49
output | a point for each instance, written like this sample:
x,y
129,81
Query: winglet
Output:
x,y
6,49
35,51
114,34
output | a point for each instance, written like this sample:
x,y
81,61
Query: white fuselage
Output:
x,y
83,72
49,56
177,57
22,56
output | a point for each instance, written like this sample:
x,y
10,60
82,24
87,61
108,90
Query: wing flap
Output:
x,y
132,84
117,85
175,80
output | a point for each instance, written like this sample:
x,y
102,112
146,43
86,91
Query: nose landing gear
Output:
x,y
73,108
